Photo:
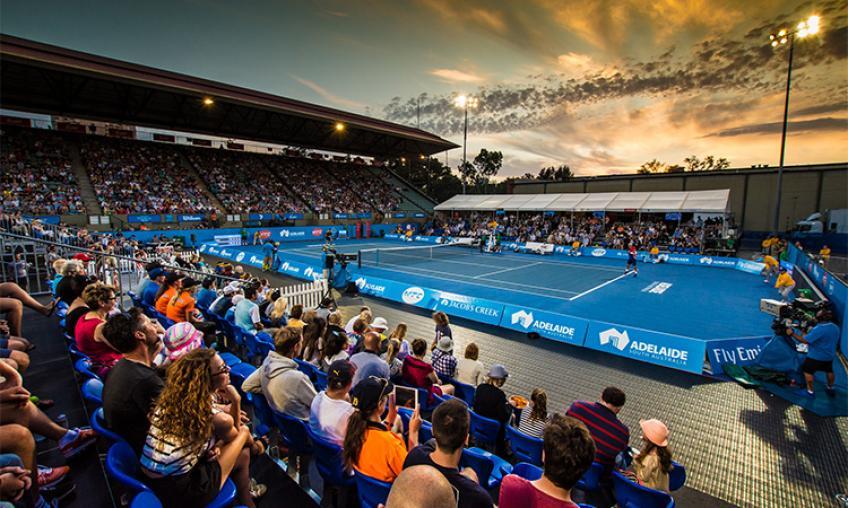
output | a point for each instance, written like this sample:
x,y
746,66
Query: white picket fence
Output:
x,y
308,294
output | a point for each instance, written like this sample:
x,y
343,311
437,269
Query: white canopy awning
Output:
x,y
712,201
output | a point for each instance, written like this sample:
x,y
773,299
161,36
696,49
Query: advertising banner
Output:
x,y
547,324
399,215
293,216
419,215
228,239
743,265
478,309
190,218
260,216
143,218
741,351
674,351
341,216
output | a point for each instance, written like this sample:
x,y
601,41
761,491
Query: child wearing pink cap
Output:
x,y
653,462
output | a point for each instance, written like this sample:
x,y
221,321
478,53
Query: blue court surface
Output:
x,y
694,301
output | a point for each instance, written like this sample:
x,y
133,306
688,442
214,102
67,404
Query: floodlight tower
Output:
x,y
465,102
809,26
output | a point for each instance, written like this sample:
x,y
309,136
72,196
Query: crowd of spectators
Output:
x,y
317,186
136,177
36,176
244,183
585,230
379,192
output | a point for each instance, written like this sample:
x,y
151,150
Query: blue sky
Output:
x,y
602,86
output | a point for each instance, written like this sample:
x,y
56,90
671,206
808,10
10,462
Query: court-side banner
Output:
x,y
835,290
674,351
547,324
47,219
290,268
671,258
143,218
477,309
742,351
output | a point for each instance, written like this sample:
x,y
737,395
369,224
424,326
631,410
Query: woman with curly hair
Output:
x,y
194,444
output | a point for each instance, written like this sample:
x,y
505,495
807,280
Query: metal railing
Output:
x,y
25,261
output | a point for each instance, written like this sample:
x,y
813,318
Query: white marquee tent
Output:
x,y
709,201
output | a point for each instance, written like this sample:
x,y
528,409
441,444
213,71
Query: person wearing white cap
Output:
x,y
443,360
653,462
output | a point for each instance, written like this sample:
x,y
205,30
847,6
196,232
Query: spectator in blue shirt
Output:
x,y
207,293
368,362
246,312
822,341
157,277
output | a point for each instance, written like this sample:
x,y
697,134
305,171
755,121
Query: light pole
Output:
x,y
805,28
465,102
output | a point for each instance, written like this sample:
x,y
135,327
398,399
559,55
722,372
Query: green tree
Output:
x,y
708,163
651,167
488,164
430,176
560,173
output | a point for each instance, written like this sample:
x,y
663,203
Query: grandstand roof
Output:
x,y
42,78
711,201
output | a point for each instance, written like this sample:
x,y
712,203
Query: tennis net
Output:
x,y
394,256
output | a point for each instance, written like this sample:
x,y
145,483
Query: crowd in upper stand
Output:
x,y
36,174
243,182
584,229
135,177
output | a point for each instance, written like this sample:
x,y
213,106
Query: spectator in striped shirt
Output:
x,y
601,418
534,423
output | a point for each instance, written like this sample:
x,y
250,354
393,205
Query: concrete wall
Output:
x,y
806,189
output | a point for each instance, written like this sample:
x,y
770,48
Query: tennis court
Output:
x,y
707,303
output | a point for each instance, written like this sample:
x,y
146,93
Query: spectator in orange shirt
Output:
x,y
369,445
173,282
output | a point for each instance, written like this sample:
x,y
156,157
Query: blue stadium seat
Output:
x,y
263,413
307,368
489,467
98,423
76,354
122,465
92,391
630,494
238,373
135,298
591,479
463,391
484,431
329,461
321,380
526,448
229,358
83,367
372,492
293,433
527,471
145,500
677,477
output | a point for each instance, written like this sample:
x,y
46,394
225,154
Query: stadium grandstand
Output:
x,y
215,296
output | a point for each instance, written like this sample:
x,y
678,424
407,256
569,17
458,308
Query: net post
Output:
x,y
359,259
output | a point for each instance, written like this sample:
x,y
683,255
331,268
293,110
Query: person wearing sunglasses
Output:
x,y
193,445
369,445
100,299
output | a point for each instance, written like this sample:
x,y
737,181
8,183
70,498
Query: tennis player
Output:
x,y
631,260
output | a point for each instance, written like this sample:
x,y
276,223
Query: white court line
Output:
x,y
406,270
468,263
599,286
505,270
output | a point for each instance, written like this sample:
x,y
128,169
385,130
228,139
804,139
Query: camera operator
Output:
x,y
822,341
329,250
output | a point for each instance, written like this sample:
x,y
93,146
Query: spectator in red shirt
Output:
x,y
601,418
568,453
420,374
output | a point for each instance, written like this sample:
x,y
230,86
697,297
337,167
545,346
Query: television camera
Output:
x,y
799,314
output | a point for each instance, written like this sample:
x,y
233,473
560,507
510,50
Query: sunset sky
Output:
x,y
600,85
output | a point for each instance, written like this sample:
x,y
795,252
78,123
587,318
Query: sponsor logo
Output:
x,y
202,248
360,282
599,252
619,340
706,261
638,348
469,307
317,232
264,234
213,250
657,288
412,295
255,260
363,285
559,249
226,253
285,266
678,259
310,272
525,319
284,233
240,256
